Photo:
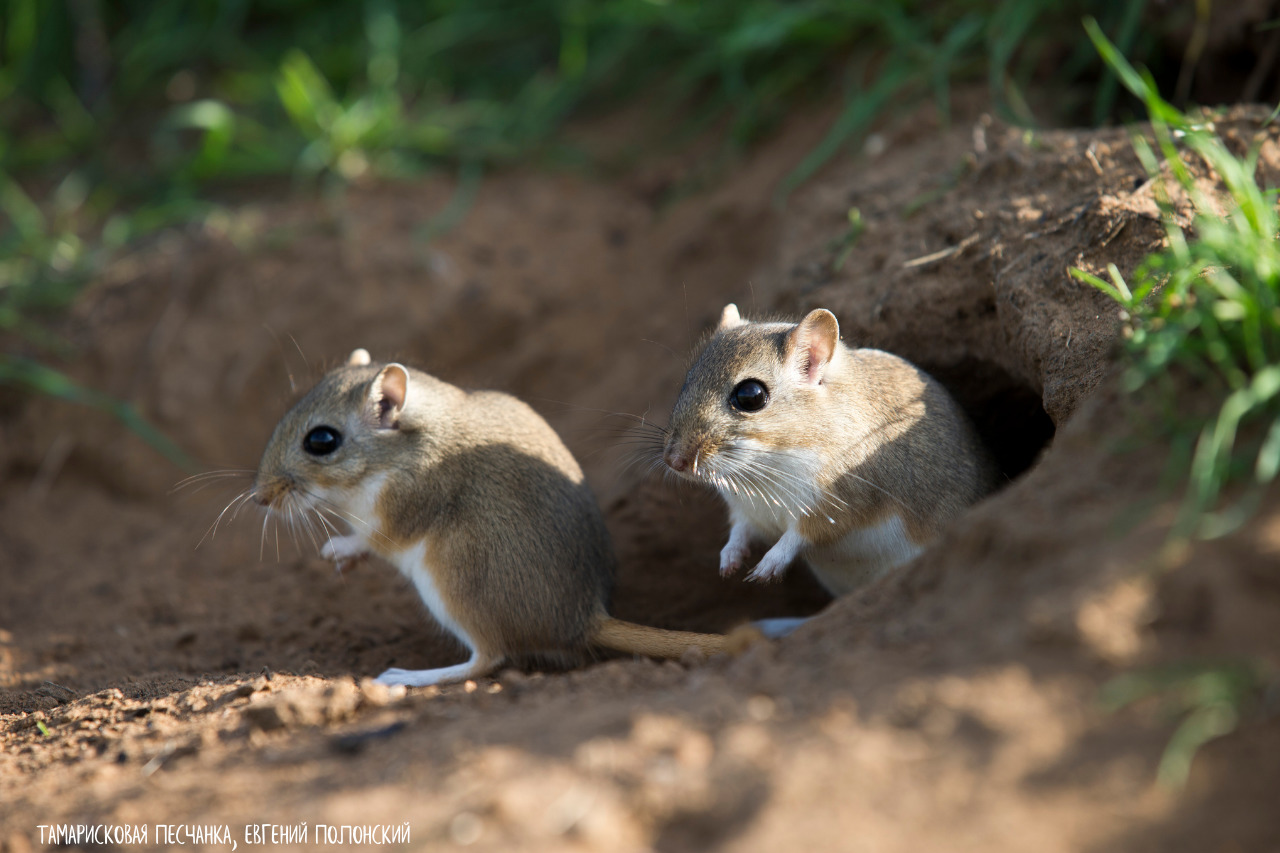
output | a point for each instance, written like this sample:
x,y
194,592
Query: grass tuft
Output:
x,y
1208,305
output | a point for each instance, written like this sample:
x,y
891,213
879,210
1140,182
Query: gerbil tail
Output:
x,y
636,639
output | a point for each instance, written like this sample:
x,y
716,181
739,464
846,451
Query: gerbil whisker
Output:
x,y
636,424
352,518
874,486
836,500
348,517
217,472
652,441
298,347
293,530
810,483
262,541
212,532
293,386
333,512
660,344
288,517
775,485
325,526
326,529
244,502
209,478
791,483
638,420
635,459
656,465
791,488
306,524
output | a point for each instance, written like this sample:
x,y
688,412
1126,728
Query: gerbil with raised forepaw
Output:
x,y
474,498
851,459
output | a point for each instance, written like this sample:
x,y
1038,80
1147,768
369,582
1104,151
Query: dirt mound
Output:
x,y
952,707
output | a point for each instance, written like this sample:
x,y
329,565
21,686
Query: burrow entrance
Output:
x,y
1007,411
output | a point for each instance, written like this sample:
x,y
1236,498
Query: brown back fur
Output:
x,y
516,542
888,437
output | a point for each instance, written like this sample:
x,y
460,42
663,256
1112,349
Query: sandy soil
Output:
x,y
953,707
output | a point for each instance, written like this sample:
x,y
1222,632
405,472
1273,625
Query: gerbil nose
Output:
x,y
264,494
676,460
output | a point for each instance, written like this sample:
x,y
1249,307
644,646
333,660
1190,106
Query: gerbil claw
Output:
x,y
729,567
766,572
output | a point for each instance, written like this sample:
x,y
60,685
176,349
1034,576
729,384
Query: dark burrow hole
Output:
x,y
1006,410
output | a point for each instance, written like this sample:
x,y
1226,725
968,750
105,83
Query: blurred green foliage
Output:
x,y
269,84
115,117
118,117
1208,700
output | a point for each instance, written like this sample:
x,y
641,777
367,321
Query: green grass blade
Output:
x,y
43,379
858,114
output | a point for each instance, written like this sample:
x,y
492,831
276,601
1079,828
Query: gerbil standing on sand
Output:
x,y
850,458
474,498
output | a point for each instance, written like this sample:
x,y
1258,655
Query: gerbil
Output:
x,y
852,459
474,498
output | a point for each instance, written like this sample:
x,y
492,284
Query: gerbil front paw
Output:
x,y
344,551
770,568
774,564
733,557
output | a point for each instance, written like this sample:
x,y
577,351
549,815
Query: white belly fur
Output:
x,y
862,556
781,497
361,504
412,564
771,521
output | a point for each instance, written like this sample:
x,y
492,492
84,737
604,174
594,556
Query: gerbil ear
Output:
x,y
387,394
359,358
812,344
730,317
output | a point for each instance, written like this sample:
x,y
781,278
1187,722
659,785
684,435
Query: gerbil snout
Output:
x,y
684,456
267,492
675,459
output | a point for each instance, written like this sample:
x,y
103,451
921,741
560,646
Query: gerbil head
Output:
x,y
346,429
754,388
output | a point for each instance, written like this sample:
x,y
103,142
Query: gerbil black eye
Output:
x,y
750,395
322,441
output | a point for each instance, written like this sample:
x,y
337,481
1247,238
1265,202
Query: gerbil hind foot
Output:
x,y
474,668
781,627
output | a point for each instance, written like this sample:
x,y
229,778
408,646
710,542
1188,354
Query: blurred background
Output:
x,y
121,118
